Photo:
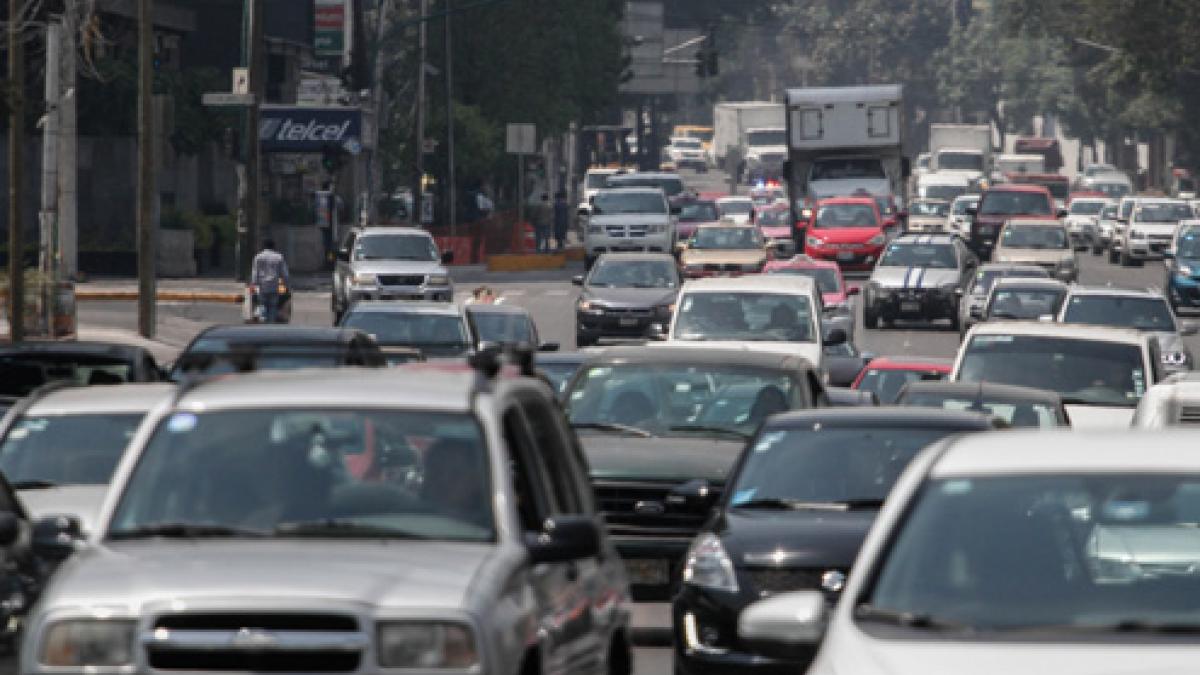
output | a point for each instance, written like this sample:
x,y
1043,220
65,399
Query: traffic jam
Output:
x,y
431,485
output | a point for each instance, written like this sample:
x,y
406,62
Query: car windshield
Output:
x,y
634,274
828,280
1113,190
411,329
1014,204
1188,245
597,181
502,327
1017,413
1152,314
1034,236
960,206
1127,208
946,192
1162,213
1109,212
736,207
886,383
1040,555
213,356
669,186
744,316
20,374
704,135
960,161
928,209
617,203
667,399
766,137
774,218
716,238
1084,371
323,472
1080,207
699,212
395,247
846,215
66,449
907,254
840,169
827,465
1025,303
985,279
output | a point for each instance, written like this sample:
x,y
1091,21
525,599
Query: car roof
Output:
x,y
281,334
1021,452
1115,291
1023,267
496,309
646,174
919,239
101,399
668,353
1036,222
802,262
986,390
944,179
1030,282
910,363
781,283
1075,331
847,200
406,307
399,387
733,198
647,189
373,230
971,197
883,416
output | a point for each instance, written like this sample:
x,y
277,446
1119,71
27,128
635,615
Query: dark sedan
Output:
x,y
798,506
26,366
246,348
623,295
1019,406
504,325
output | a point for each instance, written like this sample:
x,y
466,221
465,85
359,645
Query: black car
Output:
x,y
798,505
27,366
661,428
504,325
624,295
1018,406
246,348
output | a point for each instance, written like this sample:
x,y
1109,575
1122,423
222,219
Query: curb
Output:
x,y
168,296
575,253
526,262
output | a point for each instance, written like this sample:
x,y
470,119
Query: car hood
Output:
x,y
914,277
820,189
614,456
630,297
739,257
847,650
398,267
81,501
1032,255
844,235
629,218
808,538
389,573
1099,416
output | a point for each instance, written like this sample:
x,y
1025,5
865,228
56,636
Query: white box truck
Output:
x,y
843,141
963,149
732,121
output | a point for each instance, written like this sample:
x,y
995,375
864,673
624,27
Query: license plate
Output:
x,y
647,572
845,255
910,307
627,322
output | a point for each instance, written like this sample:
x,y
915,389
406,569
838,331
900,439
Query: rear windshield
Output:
x,y
1014,204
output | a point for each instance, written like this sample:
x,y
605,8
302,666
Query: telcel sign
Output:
x,y
297,129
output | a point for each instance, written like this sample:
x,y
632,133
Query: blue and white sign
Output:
x,y
308,129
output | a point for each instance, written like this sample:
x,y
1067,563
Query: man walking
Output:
x,y
542,217
270,280
562,218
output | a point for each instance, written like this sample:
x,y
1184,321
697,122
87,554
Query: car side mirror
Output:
x,y
958,292
10,529
343,255
1188,328
834,337
548,347
577,280
447,257
564,539
57,537
853,290
785,626
692,494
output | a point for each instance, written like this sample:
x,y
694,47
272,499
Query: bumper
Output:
x,y
857,258
625,324
929,304
431,293
1146,248
595,247
704,625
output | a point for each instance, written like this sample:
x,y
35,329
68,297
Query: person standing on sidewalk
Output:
x,y
562,219
270,280
543,217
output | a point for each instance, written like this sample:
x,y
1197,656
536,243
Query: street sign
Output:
x,y
225,98
522,139
241,81
329,34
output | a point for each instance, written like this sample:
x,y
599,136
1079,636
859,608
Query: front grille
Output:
x,y
615,230
722,267
401,279
629,313
771,580
258,642
641,508
1189,414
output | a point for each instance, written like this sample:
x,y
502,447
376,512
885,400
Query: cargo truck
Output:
x,y
733,121
964,149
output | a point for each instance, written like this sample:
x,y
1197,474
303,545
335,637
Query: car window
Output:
x,y
1019,414
396,247
705,316
846,215
1034,236
436,332
734,238
66,449
1086,208
1141,313
618,203
553,448
736,207
503,327
1188,244
1024,303
909,254
1162,213
1014,203
773,218
625,273
699,212
886,383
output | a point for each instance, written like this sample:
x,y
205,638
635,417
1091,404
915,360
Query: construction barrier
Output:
x,y
525,262
464,249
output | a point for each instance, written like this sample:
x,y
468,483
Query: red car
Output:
x,y
887,375
827,274
694,213
888,210
847,230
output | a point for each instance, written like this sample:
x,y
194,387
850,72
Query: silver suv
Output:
x,y
389,263
352,521
629,219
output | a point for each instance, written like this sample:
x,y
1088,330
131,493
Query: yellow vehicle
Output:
x,y
705,134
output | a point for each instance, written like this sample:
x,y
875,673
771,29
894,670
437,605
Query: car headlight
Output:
x,y
88,643
433,644
365,279
708,566
813,241
590,307
438,280
878,240
1185,271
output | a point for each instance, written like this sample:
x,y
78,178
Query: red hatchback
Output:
x,y
846,230
887,375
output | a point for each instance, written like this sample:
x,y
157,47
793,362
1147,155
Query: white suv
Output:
x,y
1151,227
629,219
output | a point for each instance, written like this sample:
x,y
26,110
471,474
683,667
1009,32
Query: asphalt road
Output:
x,y
550,298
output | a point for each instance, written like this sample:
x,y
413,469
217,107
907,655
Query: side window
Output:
x,y
529,484
553,447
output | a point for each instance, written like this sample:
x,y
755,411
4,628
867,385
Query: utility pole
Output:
x,y
252,52
422,47
451,192
145,193
375,179
16,161
48,220
68,247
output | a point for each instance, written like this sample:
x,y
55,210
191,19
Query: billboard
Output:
x,y
309,129
329,34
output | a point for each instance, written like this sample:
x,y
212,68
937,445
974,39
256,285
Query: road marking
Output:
x,y
514,293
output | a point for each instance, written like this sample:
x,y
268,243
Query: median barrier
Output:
x,y
526,262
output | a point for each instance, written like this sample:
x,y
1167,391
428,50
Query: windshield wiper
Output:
x,y
710,429
34,484
333,527
868,612
612,426
185,531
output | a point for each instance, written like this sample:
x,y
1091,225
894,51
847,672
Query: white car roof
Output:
x,y
965,198
1019,452
944,179
373,231
1059,330
121,398
767,283
1121,292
